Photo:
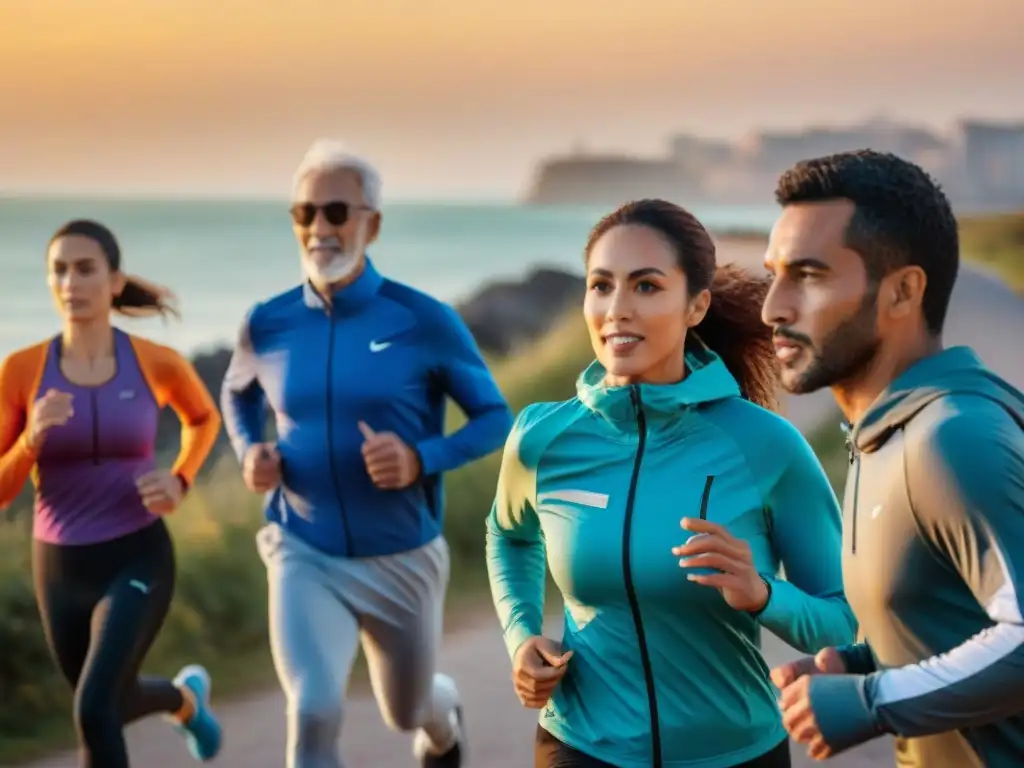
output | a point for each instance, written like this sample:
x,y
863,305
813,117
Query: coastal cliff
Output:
x,y
608,180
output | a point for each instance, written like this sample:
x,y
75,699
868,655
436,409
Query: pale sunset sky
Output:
x,y
458,98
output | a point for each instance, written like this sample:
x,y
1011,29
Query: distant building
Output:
x,y
989,163
697,155
775,151
759,158
981,167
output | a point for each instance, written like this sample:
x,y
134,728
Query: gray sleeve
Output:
x,y
966,482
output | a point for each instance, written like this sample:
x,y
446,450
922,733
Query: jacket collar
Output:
x,y
353,296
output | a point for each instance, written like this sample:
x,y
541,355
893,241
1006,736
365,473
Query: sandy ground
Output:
x,y
985,314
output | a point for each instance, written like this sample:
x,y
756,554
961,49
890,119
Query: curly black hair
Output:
x,y
902,217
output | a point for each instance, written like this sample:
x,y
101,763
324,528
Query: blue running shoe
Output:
x,y
202,731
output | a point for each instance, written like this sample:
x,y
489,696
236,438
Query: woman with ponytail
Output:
x,y
665,498
78,414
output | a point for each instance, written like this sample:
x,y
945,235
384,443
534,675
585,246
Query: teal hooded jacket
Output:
x,y
664,673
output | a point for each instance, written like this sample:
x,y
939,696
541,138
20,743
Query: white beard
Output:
x,y
334,271
340,266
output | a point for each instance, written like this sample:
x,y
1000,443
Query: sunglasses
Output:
x,y
336,212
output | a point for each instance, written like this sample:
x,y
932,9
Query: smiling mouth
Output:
x,y
622,342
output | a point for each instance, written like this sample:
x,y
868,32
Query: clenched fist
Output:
x,y
537,669
798,716
826,662
391,464
261,468
53,409
161,491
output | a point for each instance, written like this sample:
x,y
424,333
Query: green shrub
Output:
x,y
997,241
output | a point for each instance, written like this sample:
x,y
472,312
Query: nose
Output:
x,y
66,280
320,227
620,305
777,309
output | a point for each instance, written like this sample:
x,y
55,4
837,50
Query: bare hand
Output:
x,y
799,719
391,464
161,491
714,547
538,667
53,409
261,468
827,661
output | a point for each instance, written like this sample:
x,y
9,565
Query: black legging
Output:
x,y
102,606
549,752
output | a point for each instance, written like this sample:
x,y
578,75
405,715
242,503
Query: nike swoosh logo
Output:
x,y
378,346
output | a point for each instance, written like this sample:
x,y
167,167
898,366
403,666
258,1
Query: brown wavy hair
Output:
x,y
140,298
732,327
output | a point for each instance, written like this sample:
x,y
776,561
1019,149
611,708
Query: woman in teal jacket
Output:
x,y
666,495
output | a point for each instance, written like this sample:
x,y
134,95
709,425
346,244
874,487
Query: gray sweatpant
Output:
x,y
322,607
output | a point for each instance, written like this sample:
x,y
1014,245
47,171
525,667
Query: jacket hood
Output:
x,y
956,370
707,380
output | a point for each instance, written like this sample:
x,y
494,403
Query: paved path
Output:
x,y
500,730
984,314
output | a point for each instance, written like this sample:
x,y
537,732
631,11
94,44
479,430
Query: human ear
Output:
x,y
903,292
118,281
697,308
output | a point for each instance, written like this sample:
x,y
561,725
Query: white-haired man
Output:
x,y
356,369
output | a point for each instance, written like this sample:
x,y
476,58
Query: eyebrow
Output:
x,y
634,275
805,263
75,261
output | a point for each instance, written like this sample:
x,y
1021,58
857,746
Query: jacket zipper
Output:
x,y
330,434
634,605
95,427
855,466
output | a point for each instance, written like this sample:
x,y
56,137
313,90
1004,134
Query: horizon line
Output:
x,y
156,196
